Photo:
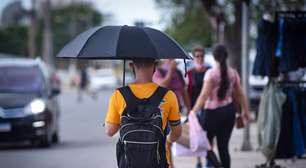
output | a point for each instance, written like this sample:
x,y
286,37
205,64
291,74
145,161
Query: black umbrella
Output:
x,y
123,42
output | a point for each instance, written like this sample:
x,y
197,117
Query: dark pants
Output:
x,y
219,123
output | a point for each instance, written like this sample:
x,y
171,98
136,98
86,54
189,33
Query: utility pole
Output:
x,y
48,40
246,145
32,30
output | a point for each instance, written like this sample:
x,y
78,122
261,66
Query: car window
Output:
x,y
20,79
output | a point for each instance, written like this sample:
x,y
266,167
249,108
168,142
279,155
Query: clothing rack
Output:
x,y
286,14
274,72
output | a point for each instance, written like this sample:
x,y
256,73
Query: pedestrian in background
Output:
x,y
195,76
83,83
169,76
221,84
124,106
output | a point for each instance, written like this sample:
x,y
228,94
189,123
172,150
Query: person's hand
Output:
x,y
247,116
168,139
192,112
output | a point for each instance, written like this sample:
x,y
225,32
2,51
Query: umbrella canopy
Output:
x,y
123,42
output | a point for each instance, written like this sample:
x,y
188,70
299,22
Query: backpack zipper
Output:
x,y
144,143
129,116
135,131
151,124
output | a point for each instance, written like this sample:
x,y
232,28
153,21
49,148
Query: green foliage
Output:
x,y
67,22
189,23
191,29
14,40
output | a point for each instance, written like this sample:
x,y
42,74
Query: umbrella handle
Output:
x,y
185,68
123,77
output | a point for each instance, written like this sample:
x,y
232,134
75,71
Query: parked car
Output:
x,y
28,103
102,79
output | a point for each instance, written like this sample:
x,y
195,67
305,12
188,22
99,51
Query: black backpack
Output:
x,y
142,139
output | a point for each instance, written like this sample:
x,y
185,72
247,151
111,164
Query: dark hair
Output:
x,y
198,49
142,63
220,55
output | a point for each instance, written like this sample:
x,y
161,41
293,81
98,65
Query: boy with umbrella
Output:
x,y
140,110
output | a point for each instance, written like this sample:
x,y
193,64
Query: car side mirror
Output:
x,y
55,91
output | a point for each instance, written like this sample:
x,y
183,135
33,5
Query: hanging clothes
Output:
x,y
292,136
280,46
280,40
291,36
302,112
264,48
269,119
297,133
285,143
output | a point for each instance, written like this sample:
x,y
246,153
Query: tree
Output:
x,y
189,23
67,22
14,40
227,13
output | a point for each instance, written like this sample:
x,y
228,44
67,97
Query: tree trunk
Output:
x,y
48,40
232,38
232,32
32,31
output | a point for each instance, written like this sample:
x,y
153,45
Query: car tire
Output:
x,y
46,141
55,138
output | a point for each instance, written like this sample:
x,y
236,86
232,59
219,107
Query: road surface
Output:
x,y
83,141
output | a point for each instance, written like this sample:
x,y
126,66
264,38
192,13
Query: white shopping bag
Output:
x,y
198,137
198,142
180,150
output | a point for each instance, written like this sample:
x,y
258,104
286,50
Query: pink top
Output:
x,y
213,74
176,84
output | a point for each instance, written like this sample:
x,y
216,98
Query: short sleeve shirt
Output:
x,y
177,83
214,76
169,105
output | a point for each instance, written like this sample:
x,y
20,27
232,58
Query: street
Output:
x,y
85,145
83,141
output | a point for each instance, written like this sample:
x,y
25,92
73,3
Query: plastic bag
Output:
x,y
180,150
198,137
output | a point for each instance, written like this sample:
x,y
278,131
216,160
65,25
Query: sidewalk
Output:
x,y
242,159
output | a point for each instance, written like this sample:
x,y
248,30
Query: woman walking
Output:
x,y
195,77
220,87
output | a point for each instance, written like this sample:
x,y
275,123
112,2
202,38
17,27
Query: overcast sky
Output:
x,y
124,12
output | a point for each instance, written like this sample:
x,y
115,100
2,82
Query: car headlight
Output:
x,y
36,106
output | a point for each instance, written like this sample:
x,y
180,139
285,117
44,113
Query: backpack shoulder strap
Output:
x,y
128,95
158,95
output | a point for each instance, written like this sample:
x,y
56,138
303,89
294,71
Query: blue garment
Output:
x,y
264,49
294,50
285,148
292,141
284,44
302,112
280,41
297,133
